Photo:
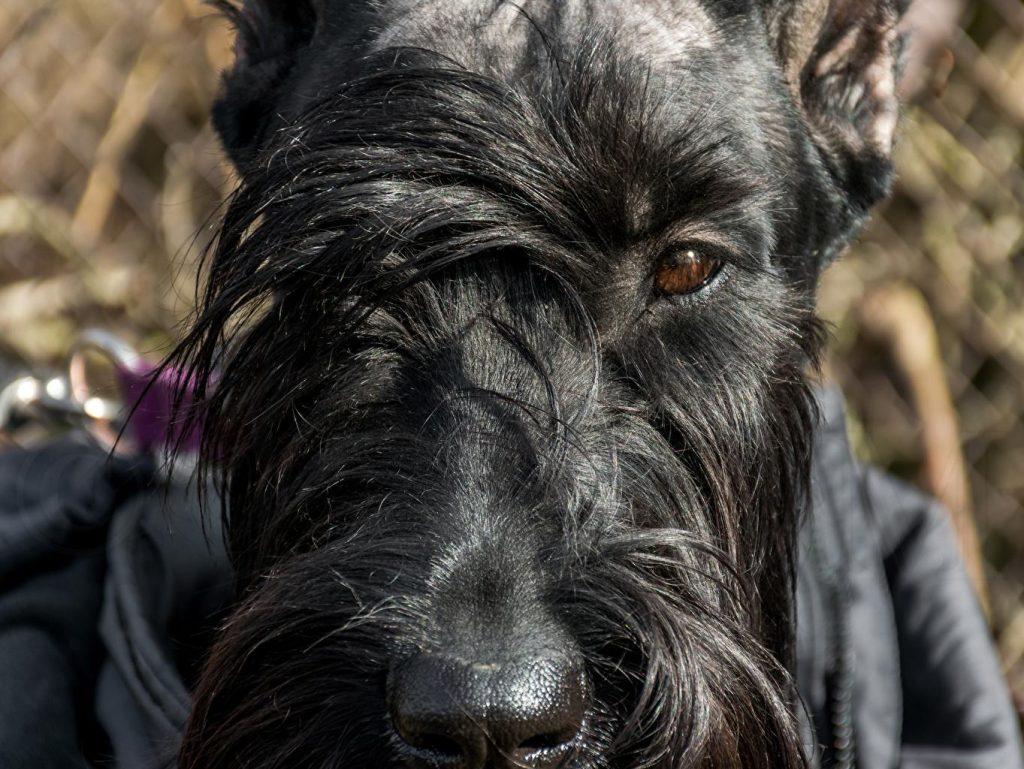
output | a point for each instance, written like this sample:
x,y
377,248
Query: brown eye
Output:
x,y
685,271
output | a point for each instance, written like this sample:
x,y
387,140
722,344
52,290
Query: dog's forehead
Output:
x,y
663,31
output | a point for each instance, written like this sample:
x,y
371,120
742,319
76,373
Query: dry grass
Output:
x,y
108,172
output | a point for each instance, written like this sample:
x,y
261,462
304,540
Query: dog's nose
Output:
x,y
454,714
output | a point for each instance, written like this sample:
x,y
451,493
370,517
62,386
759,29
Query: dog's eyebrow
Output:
x,y
746,244
718,203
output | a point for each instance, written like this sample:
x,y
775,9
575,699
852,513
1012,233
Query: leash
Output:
x,y
146,413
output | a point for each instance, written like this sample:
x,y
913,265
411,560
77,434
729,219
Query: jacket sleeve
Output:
x,y
957,712
55,504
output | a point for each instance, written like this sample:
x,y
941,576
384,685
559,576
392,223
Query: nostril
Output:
x,y
543,729
433,716
548,741
438,744
551,736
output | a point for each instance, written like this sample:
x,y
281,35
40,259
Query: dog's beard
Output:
x,y
674,605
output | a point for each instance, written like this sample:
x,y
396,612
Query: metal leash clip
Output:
x,y
104,413
70,400
29,399
127,404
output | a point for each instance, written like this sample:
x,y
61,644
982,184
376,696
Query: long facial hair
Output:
x,y
401,228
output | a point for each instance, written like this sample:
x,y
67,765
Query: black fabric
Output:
x,y
955,712
110,587
842,581
54,507
882,592
168,582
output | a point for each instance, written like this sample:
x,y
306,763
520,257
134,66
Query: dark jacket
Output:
x,y
109,586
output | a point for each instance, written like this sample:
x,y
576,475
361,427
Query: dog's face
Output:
x,y
518,301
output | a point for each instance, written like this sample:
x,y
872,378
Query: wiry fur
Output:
x,y
446,395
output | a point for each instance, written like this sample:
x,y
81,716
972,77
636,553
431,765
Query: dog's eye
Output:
x,y
685,270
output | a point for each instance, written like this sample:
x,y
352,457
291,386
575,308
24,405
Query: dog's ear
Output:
x,y
271,36
841,60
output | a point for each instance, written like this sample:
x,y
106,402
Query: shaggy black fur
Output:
x,y
451,412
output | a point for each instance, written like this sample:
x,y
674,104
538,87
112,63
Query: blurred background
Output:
x,y
110,177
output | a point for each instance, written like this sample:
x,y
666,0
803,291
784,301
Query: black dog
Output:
x,y
509,321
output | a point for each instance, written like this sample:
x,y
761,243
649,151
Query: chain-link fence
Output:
x,y
107,169
109,172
